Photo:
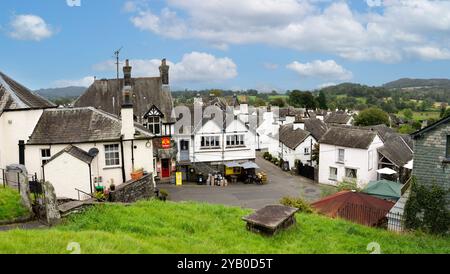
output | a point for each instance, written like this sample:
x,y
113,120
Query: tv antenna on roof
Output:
x,y
116,54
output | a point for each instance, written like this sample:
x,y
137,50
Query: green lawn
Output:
x,y
10,204
157,227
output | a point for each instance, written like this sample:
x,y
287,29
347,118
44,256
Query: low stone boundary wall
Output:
x,y
134,191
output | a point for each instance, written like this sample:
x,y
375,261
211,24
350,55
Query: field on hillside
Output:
x,y
10,204
157,227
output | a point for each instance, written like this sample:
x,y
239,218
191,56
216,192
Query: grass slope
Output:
x,y
10,204
156,227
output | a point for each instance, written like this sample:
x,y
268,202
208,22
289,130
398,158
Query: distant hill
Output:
x,y
408,83
67,92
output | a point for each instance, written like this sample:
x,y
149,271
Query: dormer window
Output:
x,y
153,120
154,125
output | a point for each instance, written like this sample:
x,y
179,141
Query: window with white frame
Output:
x,y
341,155
351,173
210,142
235,140
307,151
112,155
370,155
45,155
333,173
154,124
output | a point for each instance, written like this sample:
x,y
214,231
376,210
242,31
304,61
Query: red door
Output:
x,y
165,168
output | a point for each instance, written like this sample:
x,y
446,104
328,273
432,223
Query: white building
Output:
x,y
71,148
215,136
297,140
117,147
348,153
296,144
20,109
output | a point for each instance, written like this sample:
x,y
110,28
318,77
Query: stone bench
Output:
x,y
271,219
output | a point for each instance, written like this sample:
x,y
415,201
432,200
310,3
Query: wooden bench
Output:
x,y
271,219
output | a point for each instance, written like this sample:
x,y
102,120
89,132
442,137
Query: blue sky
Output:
x,y
263,44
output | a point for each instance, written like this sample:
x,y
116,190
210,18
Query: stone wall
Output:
x,y
429,154
134,191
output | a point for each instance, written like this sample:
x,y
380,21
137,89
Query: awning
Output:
x,y
249,165
386,171
232,164
409,165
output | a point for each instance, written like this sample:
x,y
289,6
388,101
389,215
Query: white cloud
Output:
x,y
385,34
193,67
328,70
83,82
29,27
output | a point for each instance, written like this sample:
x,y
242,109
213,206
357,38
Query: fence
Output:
x,y
12,180
373,217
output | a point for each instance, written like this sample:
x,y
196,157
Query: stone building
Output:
x,y
432,155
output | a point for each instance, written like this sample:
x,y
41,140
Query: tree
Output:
x,y
322,100
315,153
408,113
298,98
259,102
278,101
371,117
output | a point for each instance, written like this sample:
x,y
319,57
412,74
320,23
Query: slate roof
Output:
x,y
106,94
75,152
337,118
292,138
317,127
15,96
396,149
350,137
78,125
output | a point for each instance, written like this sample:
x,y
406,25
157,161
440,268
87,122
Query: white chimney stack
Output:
x,y
127,113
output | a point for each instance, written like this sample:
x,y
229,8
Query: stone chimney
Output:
x,y
164,72
127,113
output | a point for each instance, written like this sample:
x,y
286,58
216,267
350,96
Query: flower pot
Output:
x,y
136,175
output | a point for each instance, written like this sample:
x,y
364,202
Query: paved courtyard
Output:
x,y
249,196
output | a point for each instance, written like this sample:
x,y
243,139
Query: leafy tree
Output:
x,y
406,129
371,117
298,98
408,113
278,101
259,102
315,153
322,100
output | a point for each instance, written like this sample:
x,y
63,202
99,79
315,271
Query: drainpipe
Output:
x,y
124,178
90,178
132,154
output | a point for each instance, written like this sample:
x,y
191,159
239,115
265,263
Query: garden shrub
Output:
x,y
426,209
299,203
267,156
350,185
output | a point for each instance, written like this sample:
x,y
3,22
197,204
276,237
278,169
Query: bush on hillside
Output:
x,y
299,203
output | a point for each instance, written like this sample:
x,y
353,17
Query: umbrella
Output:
x,y
249,165
386,171
384,189
409,165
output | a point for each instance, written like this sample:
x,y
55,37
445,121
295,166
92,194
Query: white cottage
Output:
x,y
348,153
20,109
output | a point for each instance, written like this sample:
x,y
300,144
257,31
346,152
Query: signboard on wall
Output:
x,y
165,142
179,178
